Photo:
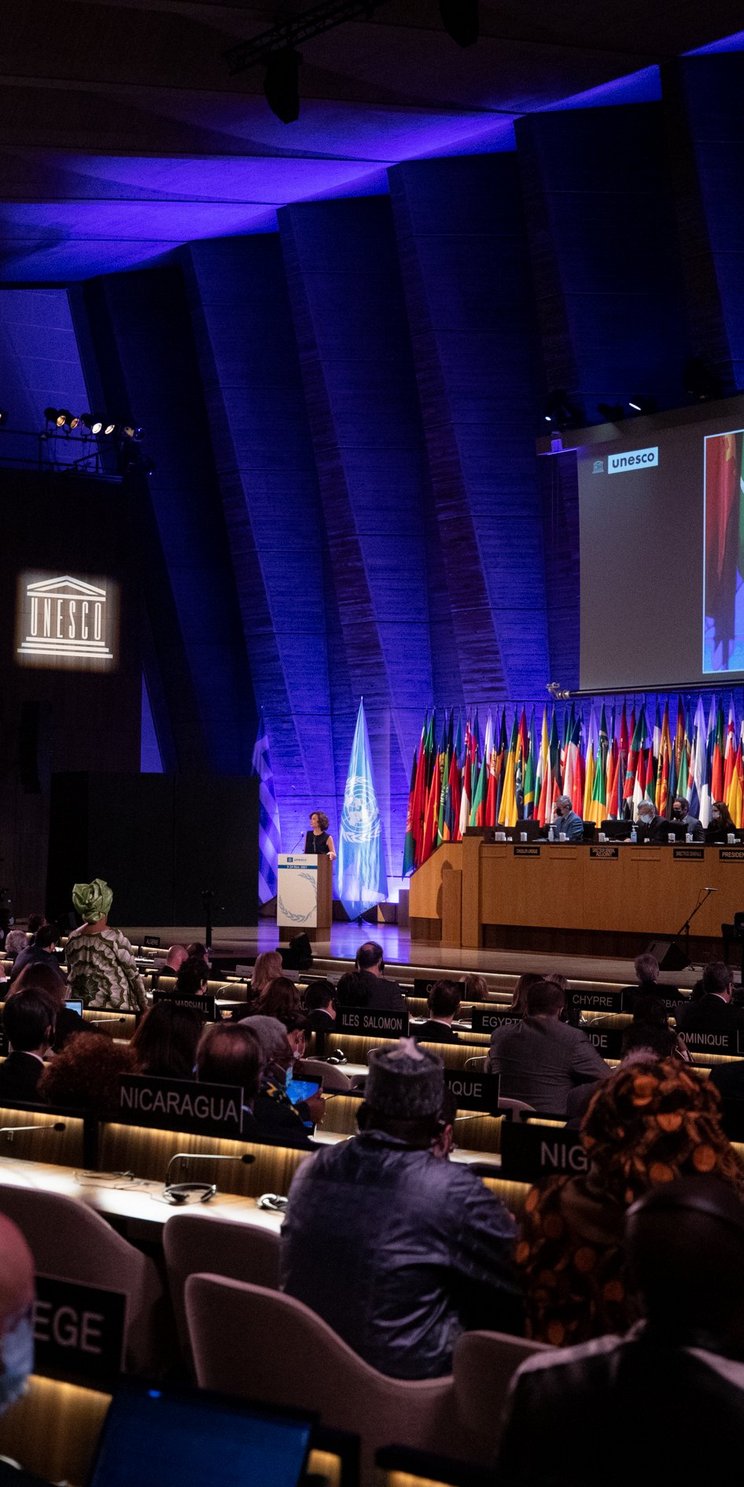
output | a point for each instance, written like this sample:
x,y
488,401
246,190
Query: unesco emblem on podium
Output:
x,y
65,620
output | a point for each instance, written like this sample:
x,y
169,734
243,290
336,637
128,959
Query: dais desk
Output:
x,y
608,898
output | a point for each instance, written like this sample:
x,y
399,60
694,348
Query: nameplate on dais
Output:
x,y
181,1105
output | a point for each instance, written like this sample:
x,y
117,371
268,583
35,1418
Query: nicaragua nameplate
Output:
x,y
606,1040
371,1024
604,852
474,1091
684,852
522,851
181,1105
78,1329
485,1021
188,1002
531,1152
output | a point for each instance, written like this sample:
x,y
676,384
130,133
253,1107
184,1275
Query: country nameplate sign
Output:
x,y
486,1021
629,997
187,1002
474,1091
531,1152
78,1329
685,853
595,1001
521,851
367,1024
422,985
731,854
711,1042
181,1105
607,1041
605,854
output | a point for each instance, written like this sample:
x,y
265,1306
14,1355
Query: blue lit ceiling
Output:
x,y
122,136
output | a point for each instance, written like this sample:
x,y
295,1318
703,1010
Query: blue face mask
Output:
x,y
16,1359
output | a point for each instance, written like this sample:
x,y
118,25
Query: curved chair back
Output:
x,y
261,1344
484,1365
203,1241
328,1074
69,1240
476,1063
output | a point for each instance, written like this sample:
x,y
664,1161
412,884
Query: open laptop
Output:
x,y
168,1436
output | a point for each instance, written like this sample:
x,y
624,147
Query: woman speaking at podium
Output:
x,y
318,839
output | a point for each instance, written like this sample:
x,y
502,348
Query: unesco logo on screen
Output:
x,y
64,619
633,459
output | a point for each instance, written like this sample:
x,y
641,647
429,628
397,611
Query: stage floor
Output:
x,y
398,948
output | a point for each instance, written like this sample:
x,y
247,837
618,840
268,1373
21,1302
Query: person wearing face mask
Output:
x,y
16,1328
565,820
721,822
681,812
651,828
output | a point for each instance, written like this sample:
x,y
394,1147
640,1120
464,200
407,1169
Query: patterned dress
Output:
x,y
103,971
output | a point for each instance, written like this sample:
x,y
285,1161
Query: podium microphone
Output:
x,y
297,843
179,1192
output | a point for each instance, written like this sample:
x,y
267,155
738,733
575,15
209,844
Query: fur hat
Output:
x,y
405,1082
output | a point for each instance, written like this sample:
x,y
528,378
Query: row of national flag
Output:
x,y
607,760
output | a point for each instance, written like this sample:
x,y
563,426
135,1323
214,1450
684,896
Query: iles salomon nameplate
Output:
x,y
372,1024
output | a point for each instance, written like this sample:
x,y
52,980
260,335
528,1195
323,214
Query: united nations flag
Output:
x,y
362,880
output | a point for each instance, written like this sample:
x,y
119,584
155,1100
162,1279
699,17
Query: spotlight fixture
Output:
x,y
92,423
282,84
50,415
639,404
560,411
557,691
3,415
63,419
109,428
460,20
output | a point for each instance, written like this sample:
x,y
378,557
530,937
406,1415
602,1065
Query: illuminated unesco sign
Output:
x,y
65,621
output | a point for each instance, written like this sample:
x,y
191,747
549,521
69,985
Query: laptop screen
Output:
x,y
155,1437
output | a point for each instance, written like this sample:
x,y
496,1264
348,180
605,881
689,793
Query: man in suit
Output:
x,y
651,827
681,812
565,820
444,1005
382,995
320,1005
28,1022
540,1059
714,1011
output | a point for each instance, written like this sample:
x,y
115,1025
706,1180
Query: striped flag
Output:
x,y
269,831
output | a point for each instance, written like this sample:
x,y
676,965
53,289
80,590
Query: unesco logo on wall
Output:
x,y
65,621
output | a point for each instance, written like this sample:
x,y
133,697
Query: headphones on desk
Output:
x,y
181,1192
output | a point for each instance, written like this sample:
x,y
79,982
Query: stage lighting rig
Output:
x,y
277,50
460,20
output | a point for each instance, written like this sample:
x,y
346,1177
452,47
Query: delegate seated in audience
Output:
x,y
17,1278
266,969
67,1021
275,1114
192,978
103,972
541,1058
647,1124
646,968
16,941
475,988
230,1053
665,1403
519,994
40,952
367,986
398,1249
174,960
165,1041
714,1011
281,999
28,1020
86,1074
444,1005
197,951
320,1005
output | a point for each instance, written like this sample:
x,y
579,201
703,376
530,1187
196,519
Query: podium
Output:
x,y
304,897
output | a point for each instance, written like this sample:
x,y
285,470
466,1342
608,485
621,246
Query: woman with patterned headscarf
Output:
x,y
102,966
646,1125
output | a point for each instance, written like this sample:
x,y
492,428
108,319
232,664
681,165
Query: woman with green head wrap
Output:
x,y
102,966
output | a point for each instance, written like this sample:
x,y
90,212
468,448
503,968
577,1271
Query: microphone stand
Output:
x,y
684,928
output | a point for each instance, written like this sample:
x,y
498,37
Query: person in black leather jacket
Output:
x,y
398,1249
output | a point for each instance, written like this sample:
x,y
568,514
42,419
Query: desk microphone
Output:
x,y
107,1021
178,1192
57,1125
711,890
